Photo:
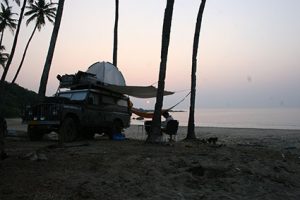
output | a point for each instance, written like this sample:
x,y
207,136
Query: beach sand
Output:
x,y
243,164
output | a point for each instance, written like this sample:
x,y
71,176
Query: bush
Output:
x,y
13,99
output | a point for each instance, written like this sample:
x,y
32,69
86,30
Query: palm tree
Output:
x,y
12,52
6,20
115,53
45,74
155,134
39,11
191,124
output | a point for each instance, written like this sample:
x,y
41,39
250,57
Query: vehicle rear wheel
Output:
x,y
3,126
34,134
68,131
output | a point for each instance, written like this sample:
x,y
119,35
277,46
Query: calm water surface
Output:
x,y
278,118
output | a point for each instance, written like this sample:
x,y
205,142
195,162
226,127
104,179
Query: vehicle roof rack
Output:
x,y
80,80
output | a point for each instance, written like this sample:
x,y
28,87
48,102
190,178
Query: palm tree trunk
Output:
x,y
11,55
115,53
24,54
2,32
47,66
155,134
191,123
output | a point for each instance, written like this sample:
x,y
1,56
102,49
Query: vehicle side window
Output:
x,y
80,96
94,99
66,95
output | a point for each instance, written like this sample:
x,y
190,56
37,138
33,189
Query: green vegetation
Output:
x,y
13,99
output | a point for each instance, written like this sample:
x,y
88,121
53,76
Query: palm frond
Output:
x,y
30,12
2,48
31,18
18,2
3,7
51,19
6,2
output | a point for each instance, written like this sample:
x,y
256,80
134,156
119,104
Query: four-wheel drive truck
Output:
x,y
79,113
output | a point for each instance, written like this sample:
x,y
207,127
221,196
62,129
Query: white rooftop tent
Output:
x,y
107,73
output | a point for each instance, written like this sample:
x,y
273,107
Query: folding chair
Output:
x,y
172,127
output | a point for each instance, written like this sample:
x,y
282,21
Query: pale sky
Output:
x,y
249,51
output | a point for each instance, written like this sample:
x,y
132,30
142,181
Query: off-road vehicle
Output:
x,y
82,110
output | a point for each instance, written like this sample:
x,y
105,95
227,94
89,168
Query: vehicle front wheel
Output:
x,y
68,131
34,134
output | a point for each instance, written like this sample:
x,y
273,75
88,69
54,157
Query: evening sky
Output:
x,y
249,51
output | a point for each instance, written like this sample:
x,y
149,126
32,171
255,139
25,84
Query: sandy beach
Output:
x,y
243,164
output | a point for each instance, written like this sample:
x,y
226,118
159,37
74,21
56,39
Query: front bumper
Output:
x,y
43,122
44,126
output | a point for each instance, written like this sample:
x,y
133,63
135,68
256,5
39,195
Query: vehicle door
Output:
x,y
108,109
93,114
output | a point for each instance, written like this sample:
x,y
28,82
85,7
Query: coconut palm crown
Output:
x,y
38,11
6,18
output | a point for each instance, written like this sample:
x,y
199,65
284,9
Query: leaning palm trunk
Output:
x,y
44,78
155,133
1,37
24,54
115,53
11,55
191,124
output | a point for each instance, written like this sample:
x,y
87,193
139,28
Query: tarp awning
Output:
x,y
137,91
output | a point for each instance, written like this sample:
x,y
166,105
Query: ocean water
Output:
x,y
269,118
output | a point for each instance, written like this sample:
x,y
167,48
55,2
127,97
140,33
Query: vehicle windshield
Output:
x,y
76,96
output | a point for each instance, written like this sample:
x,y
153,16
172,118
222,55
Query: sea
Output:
x,y
265,118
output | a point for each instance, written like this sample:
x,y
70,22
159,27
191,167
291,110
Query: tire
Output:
x,y
4,127
34,134
68,130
